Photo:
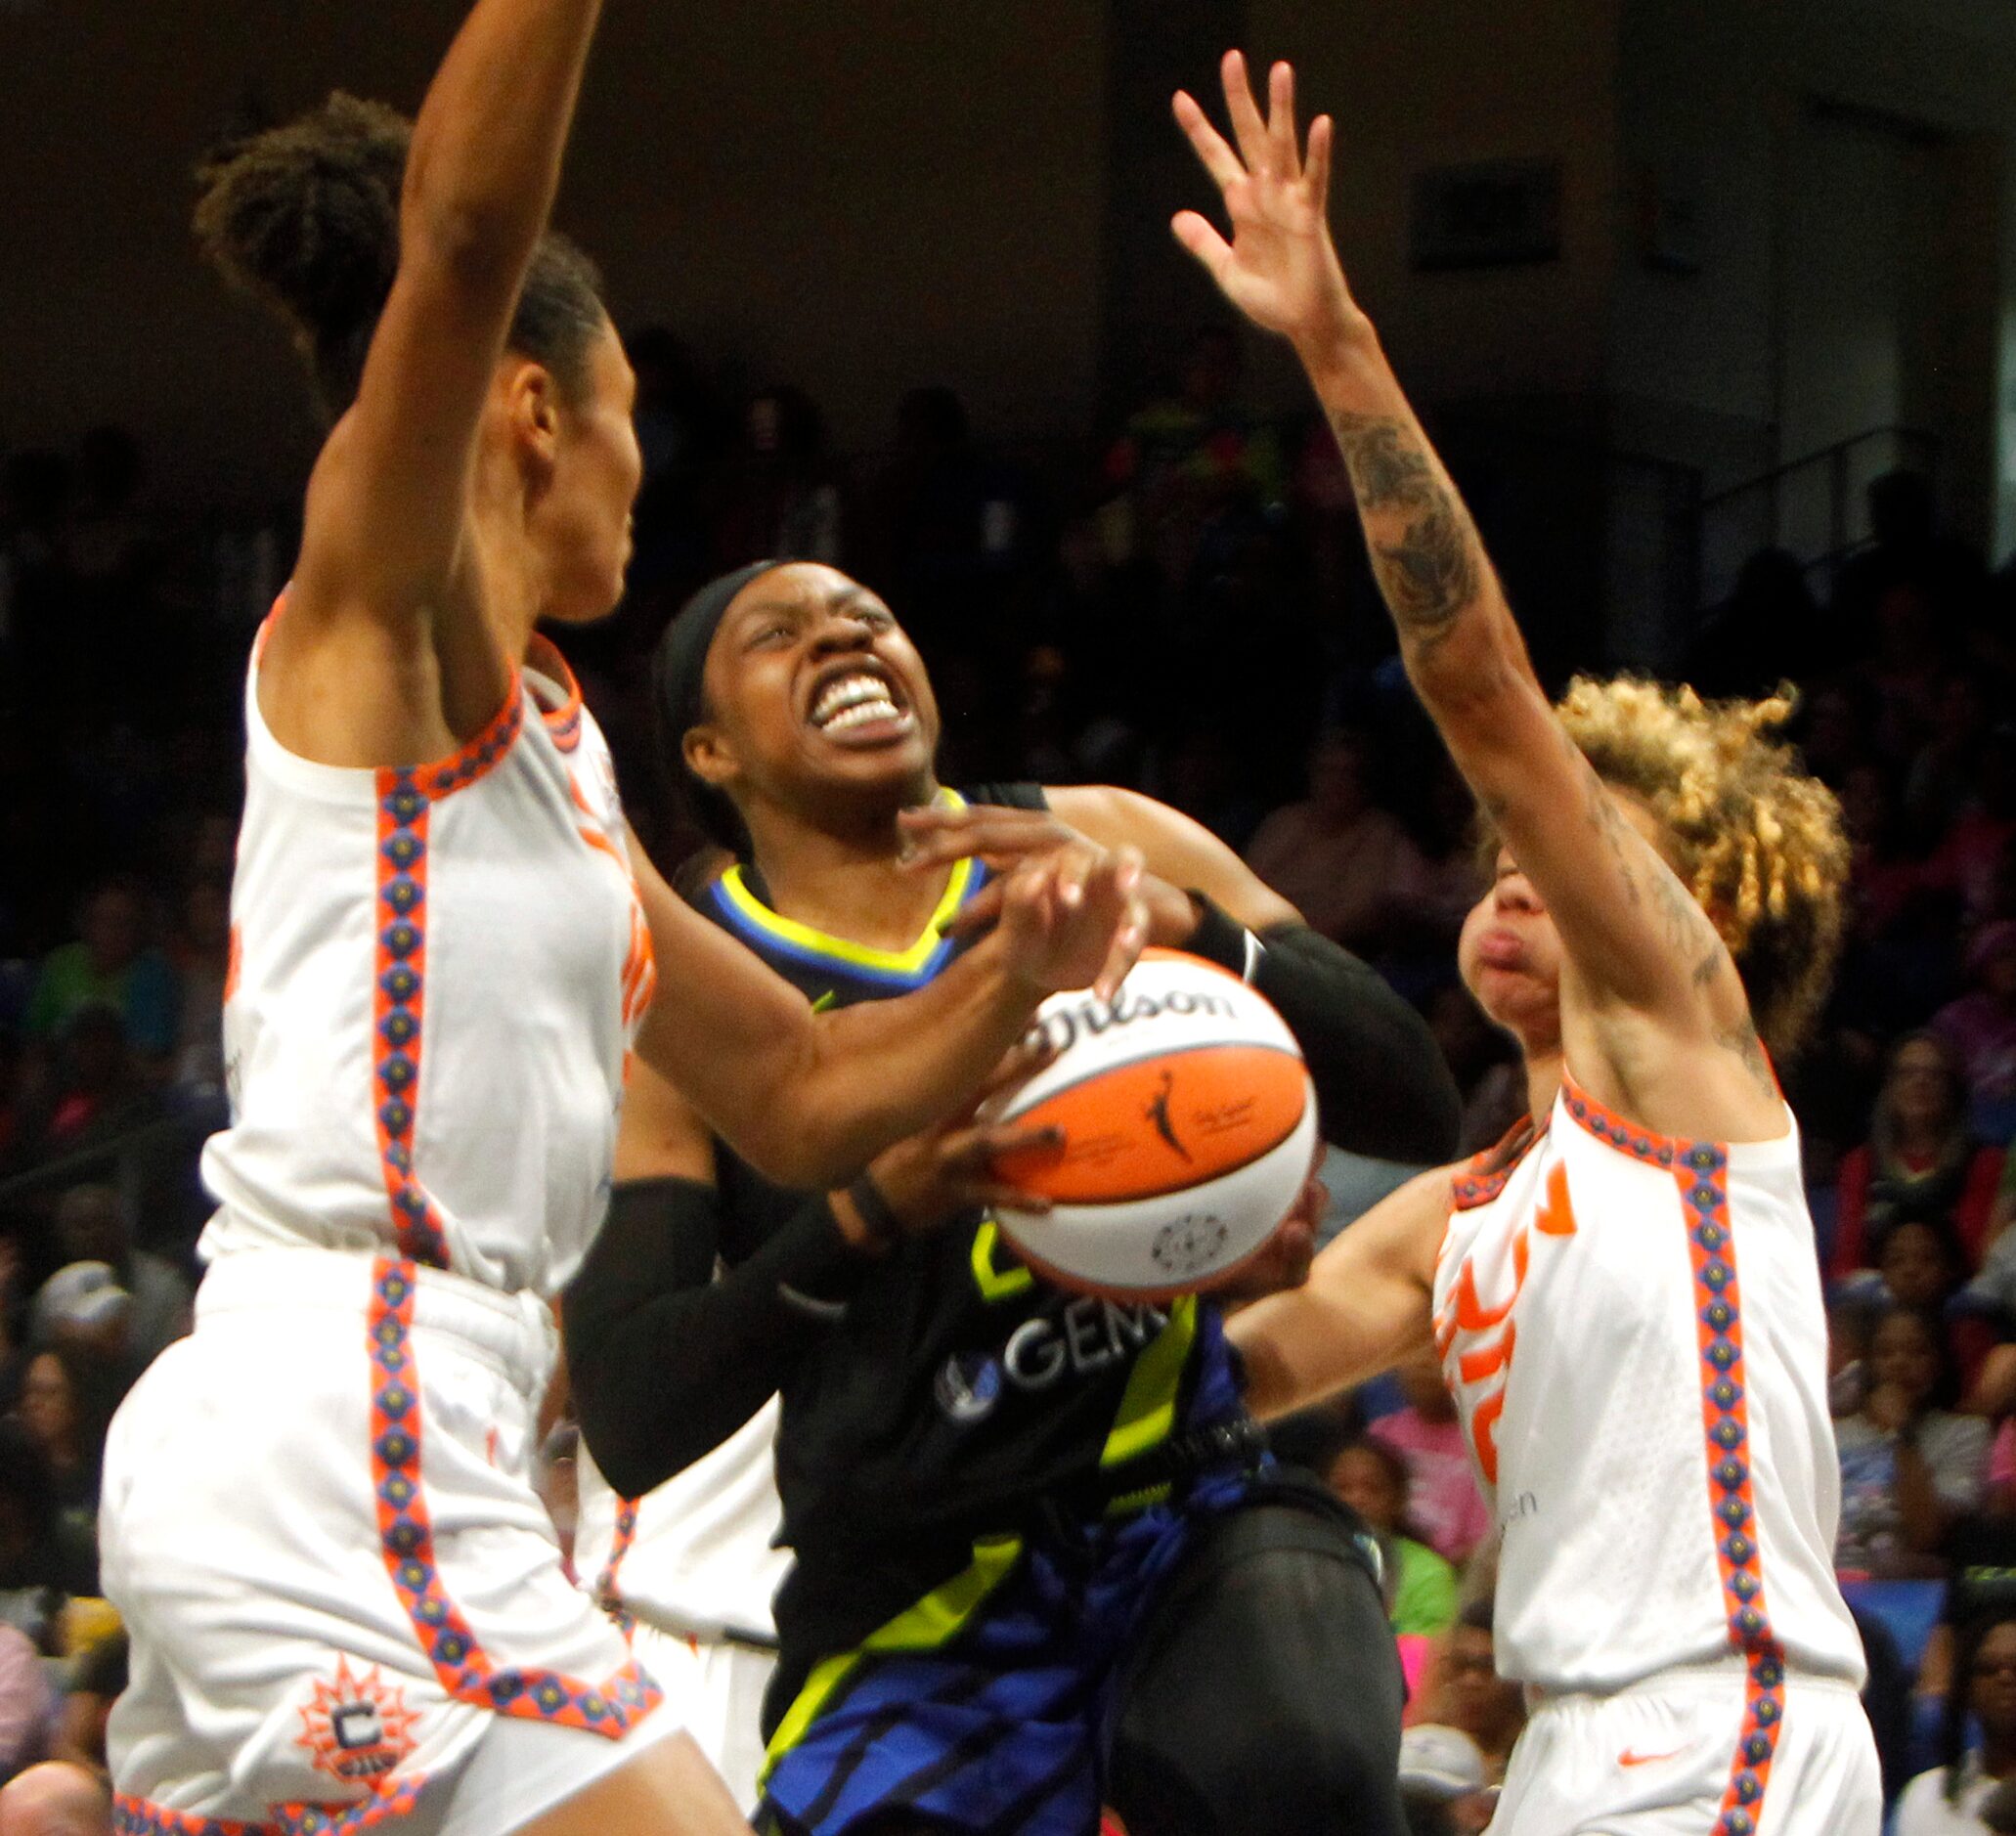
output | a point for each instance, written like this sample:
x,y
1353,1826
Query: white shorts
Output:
x,y
345,1599
1685,1754
714,1688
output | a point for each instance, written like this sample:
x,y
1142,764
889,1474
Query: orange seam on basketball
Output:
x,y
1145,1136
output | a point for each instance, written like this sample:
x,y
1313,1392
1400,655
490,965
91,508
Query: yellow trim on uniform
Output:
x,y
932,1622
734,883
1148,1409
995,1284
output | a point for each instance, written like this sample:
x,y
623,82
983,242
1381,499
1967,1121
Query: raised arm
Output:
x,y
1632,934
810,1100
386,654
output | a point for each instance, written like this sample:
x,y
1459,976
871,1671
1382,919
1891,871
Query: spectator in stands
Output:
x,y
1969,859
1920,1263
1836,725
1337,856
1908,1468
92,1225
1948,1800
784,501
95,1093
31,1593
1444,1786
97,1679
28,1710
13,1311
1443,1502
1190,453
56,1409
1465,1691
1921,1160
1768,632
1371,1476
109,965
1884,878
1981,1029
57,1799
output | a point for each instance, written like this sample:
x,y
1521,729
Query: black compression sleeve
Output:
x,y
665,1360
1379,1076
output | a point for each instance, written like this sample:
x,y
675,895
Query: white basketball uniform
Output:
x,y
690,1570
346,1600
1633,1332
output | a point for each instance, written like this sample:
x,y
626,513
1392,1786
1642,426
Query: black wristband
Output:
x,y
882,1224
1219,937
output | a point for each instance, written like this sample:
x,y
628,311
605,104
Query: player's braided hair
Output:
x,y
1756,841
305,217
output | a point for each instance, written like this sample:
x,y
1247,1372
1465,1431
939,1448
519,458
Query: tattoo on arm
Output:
x,y
1742,1040
1433,571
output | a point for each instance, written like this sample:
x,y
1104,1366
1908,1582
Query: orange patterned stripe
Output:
x,y
406,1534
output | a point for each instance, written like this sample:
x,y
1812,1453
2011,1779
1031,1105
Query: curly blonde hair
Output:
x,y
1757,841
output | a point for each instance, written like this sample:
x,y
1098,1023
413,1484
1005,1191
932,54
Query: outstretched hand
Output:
x,y
1280,268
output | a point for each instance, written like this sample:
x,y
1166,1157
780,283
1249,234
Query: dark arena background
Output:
x,y
1710,306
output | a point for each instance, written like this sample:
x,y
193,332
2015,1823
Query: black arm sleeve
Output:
x,y
1379,1076
665,1360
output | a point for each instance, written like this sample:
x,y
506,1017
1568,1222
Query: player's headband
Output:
x,y
677,673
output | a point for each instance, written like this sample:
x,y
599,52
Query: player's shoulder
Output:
x,y
695,877
1007,795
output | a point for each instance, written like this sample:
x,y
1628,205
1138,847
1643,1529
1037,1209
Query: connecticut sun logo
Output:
x,y
358,1729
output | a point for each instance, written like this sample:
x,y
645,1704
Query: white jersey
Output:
x,y
695,1557
1634,1331
435,974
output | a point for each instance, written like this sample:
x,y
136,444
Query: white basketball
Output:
x,y
1190,1126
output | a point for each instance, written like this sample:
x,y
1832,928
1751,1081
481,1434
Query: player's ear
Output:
x,y
709,756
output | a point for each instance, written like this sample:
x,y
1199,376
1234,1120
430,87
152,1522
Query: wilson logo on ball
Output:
x,y
1188,1126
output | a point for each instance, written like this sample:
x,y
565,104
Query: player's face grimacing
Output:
x,y
812,686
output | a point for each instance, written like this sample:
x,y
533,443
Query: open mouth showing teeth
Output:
x,y
854,701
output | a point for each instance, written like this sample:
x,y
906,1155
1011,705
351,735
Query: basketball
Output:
x,y
1189,1124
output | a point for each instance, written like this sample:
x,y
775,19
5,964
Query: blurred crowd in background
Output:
x,y
1179,604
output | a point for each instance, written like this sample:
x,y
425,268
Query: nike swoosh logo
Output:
x,y
830,998
1630,1757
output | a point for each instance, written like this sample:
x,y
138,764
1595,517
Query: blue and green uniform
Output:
x,y
957,1462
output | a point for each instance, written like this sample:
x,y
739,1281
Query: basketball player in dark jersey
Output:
x,y
1040,1560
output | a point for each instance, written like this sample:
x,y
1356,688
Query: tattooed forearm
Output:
x,y
1388,466
1433,571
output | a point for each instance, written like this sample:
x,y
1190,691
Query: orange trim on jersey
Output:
x,y
1486,1174
564,722
406,1534
1484,1430
1701,1170
606,1595
474,759
398,1011
142,1817
233,957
